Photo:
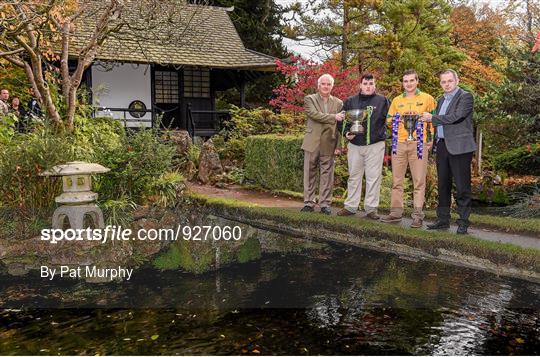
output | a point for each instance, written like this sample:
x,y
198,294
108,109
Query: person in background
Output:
x,y
17,108
4,101
323,111
34,110
20,113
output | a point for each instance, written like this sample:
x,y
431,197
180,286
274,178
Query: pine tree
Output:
x,y
414,34
510,112
386,37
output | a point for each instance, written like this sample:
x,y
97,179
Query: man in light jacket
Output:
x,y
323,111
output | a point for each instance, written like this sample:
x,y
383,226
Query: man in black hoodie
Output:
x,y
365,152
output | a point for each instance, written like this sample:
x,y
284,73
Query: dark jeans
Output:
x,y
456,168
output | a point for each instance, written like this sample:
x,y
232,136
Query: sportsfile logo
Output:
x,y
117,233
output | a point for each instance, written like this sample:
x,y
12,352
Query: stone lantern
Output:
x,y
77,200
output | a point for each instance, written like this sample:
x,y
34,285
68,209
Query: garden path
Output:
x,y
267,199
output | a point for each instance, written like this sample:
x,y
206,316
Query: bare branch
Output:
x,y
9,53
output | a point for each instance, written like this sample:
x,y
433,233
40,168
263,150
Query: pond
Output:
x,y
335,300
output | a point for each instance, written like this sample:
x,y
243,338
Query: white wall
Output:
x,y
119,86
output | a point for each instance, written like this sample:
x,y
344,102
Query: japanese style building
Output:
x,y
140,82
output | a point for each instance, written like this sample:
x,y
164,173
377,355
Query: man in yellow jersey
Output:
x,y
410,147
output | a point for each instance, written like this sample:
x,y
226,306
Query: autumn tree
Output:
x,y
479,32
44,38
302,75
525,16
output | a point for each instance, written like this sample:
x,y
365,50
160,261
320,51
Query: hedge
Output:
x,y
275,161
524,160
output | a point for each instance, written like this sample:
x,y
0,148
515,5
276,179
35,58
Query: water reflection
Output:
x,y
333,301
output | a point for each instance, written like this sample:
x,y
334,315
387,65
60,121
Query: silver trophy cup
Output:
x,y
409,121
357,117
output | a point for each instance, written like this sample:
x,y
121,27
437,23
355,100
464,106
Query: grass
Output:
x,y
506,224
431,242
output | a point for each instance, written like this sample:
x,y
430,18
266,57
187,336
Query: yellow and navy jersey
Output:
x,y
421,102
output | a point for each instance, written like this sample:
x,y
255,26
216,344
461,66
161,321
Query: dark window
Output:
x,y
166,87
196,83
137,109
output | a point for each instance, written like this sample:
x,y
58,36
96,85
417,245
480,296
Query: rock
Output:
x,y
168,220
141,212
180,138
209,163
146,224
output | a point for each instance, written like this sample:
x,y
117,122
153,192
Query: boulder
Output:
x,y
209,163
180,139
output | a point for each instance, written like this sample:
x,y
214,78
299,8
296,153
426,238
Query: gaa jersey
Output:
x,y
421,102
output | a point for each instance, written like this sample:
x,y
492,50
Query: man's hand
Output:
x,y
349,136
340,116
426,117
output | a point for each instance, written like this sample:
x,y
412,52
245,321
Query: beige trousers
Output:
x,y
326,184
406,156
369,160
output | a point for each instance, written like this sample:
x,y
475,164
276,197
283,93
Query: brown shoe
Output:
x,y
416,223
373,215
345,212
391,219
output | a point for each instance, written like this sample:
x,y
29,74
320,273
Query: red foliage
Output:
x,y
303,75
537,44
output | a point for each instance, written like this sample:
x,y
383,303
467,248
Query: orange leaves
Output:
x,y
477,31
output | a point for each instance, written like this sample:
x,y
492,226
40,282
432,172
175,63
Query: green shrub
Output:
x,y
135,165
275,162
23,159
7,127
341,176
118,212
167,189
524,160
231,142
141,165
96,137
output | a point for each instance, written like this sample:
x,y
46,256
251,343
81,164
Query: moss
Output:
x,y
179,256
286,244
168,260
250,250
429,241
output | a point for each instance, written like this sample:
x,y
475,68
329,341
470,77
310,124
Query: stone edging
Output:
x,y
370,239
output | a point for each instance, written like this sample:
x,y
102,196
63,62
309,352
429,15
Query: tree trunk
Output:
x,y
71,103
529,19
43,94
479,140
345,36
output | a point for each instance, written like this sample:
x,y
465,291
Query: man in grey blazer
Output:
x,y
455,147
322,111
